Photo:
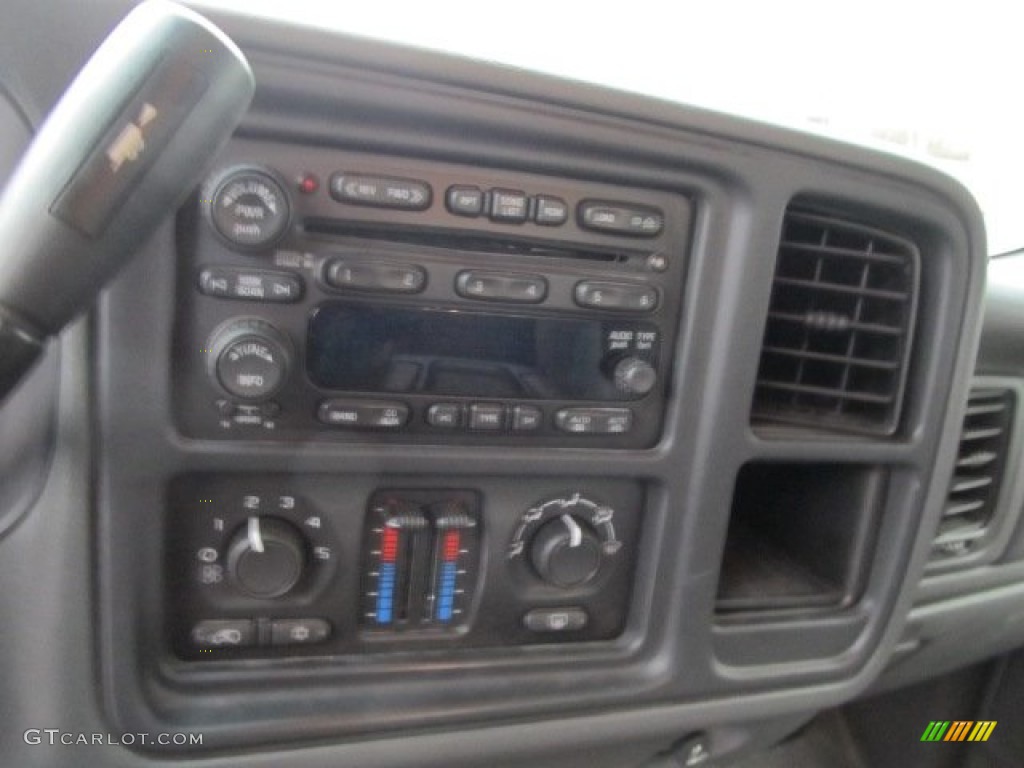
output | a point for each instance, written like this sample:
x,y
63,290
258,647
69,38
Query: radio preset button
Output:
x,y
465,200
617,297
550,211
509,205
527,418
594,421
499,286
620,218
486,417
250,285
378,276
380,191
447,415
363,415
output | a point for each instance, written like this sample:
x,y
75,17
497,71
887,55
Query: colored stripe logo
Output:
x,y
959,730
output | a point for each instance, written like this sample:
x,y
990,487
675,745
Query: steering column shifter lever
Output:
x,y
129,138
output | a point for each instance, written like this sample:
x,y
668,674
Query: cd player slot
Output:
x,y
463,241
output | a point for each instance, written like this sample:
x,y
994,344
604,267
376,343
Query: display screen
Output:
x,y
360,348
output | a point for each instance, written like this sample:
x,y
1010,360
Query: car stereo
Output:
x,y
340,297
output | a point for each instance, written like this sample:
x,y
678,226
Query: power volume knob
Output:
x,y
249,208
565,552
266,557
249,358
634,376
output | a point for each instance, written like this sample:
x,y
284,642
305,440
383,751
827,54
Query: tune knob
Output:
x,y
249,358
566,552
634,376
249,208
266,557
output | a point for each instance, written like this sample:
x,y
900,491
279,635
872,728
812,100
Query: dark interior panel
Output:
x,y
799,536
464,415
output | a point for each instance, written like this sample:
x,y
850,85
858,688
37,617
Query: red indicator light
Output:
x,y
451,546
389,545
308,183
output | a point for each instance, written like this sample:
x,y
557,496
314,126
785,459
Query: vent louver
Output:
x,y
974,489
839,328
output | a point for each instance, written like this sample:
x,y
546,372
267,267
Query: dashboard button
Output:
x,y
617,297
249,358
215,282
509,205
249,209
247,416
555,619
486,417
282,288
363,414
299,631
224,633
381,191
634,376
550,211
465,201
594,421
250,285
447,415
377,276
620,218
527,418
501,286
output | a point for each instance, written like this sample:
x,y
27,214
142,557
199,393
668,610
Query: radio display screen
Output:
x,y
457,353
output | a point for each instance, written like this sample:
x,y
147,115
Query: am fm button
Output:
x,y
355,414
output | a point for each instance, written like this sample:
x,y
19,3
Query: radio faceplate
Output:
x,y
423,303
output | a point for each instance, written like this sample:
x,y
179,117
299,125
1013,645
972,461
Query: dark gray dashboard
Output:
x,y
765,550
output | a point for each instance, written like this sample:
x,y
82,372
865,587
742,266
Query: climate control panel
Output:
x,y
326,565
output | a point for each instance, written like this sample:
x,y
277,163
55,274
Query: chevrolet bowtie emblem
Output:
x,y
130,143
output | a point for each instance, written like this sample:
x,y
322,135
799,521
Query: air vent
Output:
x,y
839,328
974,490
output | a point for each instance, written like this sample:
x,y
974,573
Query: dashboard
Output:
x,y
466,415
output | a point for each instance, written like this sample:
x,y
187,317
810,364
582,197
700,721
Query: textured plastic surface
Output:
x,y
26,420
571,705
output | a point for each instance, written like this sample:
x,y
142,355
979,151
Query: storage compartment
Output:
x,y
800,536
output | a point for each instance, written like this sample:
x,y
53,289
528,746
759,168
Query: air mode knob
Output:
x,y
634,376
566,552
266,557
249,358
